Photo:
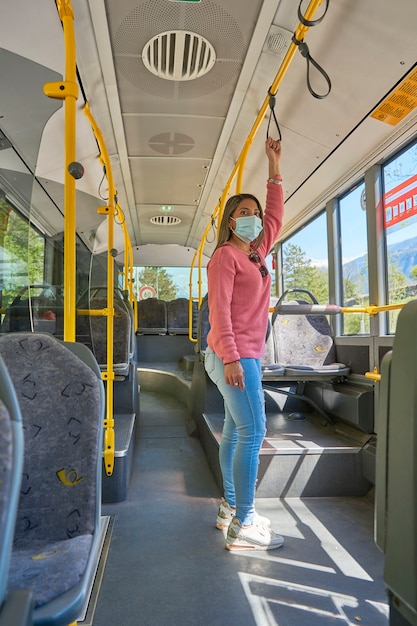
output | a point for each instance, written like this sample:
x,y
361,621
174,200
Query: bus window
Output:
x,y
167,283
22,251
354,259
400,227
305,260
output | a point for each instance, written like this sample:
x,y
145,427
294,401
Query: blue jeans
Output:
x,y
243,433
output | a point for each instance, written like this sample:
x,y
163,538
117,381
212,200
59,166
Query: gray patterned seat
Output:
x,y
92,330
15,607
178,316
304,349
304,344
152,317
56,546
203,326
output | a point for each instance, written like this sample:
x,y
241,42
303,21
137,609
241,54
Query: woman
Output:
x,y
238,298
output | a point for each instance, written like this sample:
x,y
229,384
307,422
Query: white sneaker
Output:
x,y
226,514
253,537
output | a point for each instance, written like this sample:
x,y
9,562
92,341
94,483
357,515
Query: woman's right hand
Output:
x,y
273,152
234,375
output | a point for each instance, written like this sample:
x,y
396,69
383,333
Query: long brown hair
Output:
x,y
232,204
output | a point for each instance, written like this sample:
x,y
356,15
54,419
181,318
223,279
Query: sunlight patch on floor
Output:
x,y
272,600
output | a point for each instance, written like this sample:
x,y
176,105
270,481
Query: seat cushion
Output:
x,y
49,569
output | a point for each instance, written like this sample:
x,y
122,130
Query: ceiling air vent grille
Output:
x,y
165,220
178,55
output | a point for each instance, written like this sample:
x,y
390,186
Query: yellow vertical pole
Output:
x,y
128,264
108,375
68,90
125,264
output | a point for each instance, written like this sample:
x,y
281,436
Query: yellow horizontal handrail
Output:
x,y
99,312
372,309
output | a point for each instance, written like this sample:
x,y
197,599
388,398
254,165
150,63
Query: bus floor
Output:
x,y
167,564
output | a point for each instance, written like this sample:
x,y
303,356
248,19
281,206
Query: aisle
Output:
x,y
167,565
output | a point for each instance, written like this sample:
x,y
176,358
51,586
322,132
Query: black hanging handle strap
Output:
x,y
305,52
272,114
310,23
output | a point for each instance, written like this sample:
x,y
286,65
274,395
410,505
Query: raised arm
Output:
x,y
273,152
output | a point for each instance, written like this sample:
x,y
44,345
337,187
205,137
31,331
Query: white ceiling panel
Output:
x,y
168,181
172,135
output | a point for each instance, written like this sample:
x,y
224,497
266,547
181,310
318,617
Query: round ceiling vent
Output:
x,y
165,220
178,55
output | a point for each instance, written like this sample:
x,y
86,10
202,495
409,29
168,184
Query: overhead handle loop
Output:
x,y
272,114
305,52
310,23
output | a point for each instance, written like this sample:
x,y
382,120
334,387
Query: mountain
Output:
x,y
403,255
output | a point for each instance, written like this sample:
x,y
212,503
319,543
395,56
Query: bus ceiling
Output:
x,y
174,140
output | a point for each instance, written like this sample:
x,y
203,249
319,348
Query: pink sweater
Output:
x,y
238,295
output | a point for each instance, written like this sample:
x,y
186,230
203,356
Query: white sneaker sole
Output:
x,y
242,544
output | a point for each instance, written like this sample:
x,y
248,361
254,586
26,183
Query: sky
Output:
x,y
312,238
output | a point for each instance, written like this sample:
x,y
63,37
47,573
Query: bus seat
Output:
x,y
270,367
152,317
396,469
92,330
36,307
57,540
203,326
304,344
124,296
16,606
178,316
304,351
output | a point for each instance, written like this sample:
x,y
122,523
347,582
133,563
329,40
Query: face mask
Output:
x,y
248,228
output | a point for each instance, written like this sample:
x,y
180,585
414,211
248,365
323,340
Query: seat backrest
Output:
x,y
152,317
11,466
203,326
304,343
270,366
178,316
38,308
61,398
92,330
303,339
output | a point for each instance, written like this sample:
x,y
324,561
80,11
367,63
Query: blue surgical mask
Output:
x,y
248,228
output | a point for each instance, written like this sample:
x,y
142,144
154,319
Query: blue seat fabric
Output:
x,y
152,316
62,402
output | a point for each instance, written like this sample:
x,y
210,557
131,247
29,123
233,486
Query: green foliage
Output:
x,y
397,287
300,274
159,279
413,272
24,249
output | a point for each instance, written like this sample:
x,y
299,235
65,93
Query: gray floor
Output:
x,y
167,564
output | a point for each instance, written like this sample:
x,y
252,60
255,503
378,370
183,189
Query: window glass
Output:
x,y
400,225
354,259
305,260
22,256
167,283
